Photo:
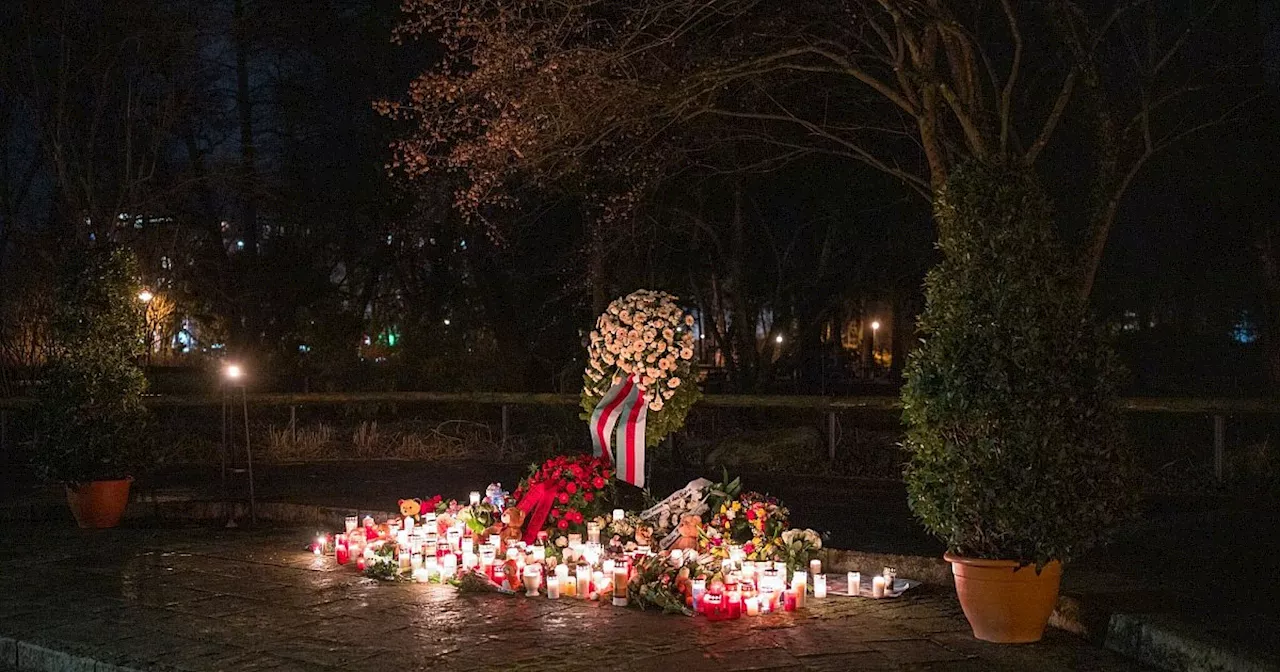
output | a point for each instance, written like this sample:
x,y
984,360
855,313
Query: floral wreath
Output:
x,y
645,334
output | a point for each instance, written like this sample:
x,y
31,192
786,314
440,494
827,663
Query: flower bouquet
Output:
x,y
580,487
655,583
754,521
799,547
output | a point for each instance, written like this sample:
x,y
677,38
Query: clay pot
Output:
x,y
98,504
1005,603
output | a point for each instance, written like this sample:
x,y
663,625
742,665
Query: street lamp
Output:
x,y
145,296
778,339
233,377
875,325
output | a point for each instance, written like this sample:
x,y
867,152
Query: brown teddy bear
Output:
x,y
644,535
512,519
689,529
410,508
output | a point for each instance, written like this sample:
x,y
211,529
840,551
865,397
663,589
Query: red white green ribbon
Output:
x,y
617,429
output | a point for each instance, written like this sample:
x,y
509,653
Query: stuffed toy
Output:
x,y
644,535
689,529
410,508
512,519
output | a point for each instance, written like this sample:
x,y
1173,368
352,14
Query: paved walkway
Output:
x,y
199,599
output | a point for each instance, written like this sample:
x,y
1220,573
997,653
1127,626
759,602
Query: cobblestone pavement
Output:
x,y
199,599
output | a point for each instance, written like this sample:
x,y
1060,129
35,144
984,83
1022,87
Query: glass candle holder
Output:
x,y
619,514
593,533
819,586
352,523
475,498
815,566
532,580
855,583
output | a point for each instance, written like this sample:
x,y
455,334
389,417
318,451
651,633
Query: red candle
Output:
x,y
789,601
735,604
341,550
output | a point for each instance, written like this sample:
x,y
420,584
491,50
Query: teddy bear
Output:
x,y
512,519
689,529
644,535
410,508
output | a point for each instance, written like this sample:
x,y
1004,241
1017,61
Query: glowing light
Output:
x,y
145,296
875,326
447,322
233,371
779,338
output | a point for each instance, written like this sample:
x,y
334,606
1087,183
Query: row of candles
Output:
x,y
749,588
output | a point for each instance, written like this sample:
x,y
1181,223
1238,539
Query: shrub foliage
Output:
x,y
1015,439
90,406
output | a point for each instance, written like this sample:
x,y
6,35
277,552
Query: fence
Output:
x,y
1217,409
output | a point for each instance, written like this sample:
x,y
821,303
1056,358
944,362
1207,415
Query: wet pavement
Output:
x,y
215,599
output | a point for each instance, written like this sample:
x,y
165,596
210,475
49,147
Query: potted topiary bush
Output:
x,y
1018,459
90,405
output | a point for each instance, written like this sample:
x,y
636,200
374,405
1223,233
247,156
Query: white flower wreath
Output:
x,y
646,335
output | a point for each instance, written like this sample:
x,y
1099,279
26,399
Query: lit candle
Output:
x,y
597,582
562,572
342,549
431,564
553,587
607,566
470,560
877,587
409,522
538,553
449,567
322,541
620,578
799,584
735,603
767,597
889,574
819,586
815,566
532,579
575,540
352,523
593,533
584,582
752,605
415,561
855,583
475,498
699,587
421,575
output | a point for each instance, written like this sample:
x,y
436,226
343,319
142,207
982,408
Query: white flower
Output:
x,y
655,405
673,383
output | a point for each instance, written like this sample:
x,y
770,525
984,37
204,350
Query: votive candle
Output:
x,y
799,585
855,583
620,578
751,605
815,566
819,586
618,514
450,566
409,522
475,497
593,533
584,582
597,582
699,587
352,523
877,587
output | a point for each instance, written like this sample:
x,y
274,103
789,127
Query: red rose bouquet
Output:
x,y
581,488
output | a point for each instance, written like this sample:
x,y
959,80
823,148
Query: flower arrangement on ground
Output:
x,y
754,521
799,547
648,336
580,488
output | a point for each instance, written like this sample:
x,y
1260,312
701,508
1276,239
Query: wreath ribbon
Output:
x,y
617,429
536,504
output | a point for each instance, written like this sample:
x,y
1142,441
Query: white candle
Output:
x,y
620,585
562,572
799,584
819,586
597,578
618,514
553,587
855,583
450,566
607,566
415,561
539,553
409,522
470,560
421,575
431,565
352,522
584,582
877,587
815,566
593,533
532,580
475,498
753,606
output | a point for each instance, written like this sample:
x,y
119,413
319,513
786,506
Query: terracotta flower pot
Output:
x,y
98,504
1005,603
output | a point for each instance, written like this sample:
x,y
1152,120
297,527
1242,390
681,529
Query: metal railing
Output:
x,y
1217,408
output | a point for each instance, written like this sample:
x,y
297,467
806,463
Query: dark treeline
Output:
x,y
235,146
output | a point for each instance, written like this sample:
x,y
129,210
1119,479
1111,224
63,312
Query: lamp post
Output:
x,y
875,331
232,378
145,296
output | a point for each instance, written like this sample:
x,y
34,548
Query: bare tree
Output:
x,y
593,92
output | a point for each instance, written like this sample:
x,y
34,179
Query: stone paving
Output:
x,y
201,599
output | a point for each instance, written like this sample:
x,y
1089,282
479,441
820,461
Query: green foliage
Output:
x,y
90,407
1016,444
